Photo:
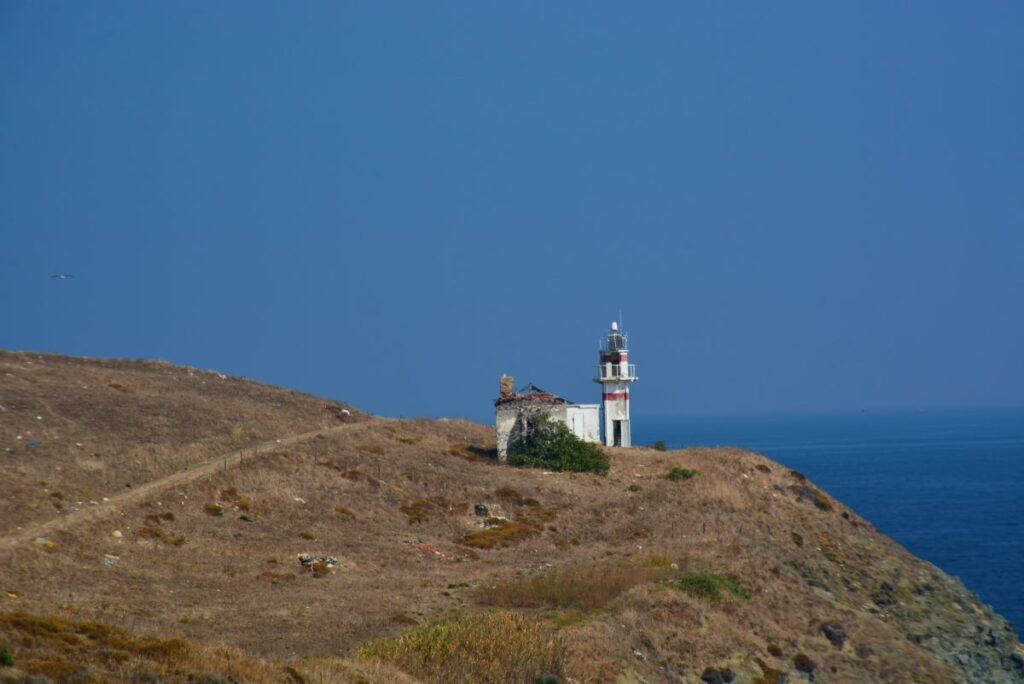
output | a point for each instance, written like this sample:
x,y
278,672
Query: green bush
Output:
x,y
676,474
550,444
6,658
660,445
710,586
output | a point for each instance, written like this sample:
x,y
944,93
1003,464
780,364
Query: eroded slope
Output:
x,y
744,568
75,430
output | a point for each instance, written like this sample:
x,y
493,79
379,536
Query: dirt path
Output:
x,y
142,492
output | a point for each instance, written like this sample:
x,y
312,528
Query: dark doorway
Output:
x,y
617,432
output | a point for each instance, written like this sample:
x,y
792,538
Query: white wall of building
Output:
x,y
583,420
505,419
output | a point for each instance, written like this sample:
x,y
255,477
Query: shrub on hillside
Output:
x,y
502,534
550,444
660,445
489,648
160,535
710,586
812,494
677,474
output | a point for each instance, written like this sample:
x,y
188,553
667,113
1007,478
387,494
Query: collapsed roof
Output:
x,y
530,393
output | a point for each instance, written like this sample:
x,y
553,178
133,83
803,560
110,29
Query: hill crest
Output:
x,y
746,567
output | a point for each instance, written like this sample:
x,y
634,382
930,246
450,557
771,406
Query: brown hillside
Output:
x,y
79,429
744,570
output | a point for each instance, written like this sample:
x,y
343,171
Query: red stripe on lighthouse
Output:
x,y
616,395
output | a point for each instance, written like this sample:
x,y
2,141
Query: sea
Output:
x,y
946,484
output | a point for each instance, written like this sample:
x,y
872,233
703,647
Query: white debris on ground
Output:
x,y
306,560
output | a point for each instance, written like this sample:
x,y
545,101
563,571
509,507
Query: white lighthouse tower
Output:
x,y
615,374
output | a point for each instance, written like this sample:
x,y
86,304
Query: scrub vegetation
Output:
x,y
334,546
710,586
492,647
676,474
580,586
551,445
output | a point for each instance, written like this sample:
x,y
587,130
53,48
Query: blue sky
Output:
x,y
796,206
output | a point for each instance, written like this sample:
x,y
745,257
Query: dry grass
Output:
x,y
494,647
581,586
98,440
277,577
420,510
805,492
159,518
81,651
473,452
57,648
506,533
321,670
238,581
161,535
509,495
463,451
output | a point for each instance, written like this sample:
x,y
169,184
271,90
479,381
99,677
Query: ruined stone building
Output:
x,y
516,410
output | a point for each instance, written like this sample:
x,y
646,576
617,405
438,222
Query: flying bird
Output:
x,y
63,276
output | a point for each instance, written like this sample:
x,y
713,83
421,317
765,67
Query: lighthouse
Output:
x,y
615,375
